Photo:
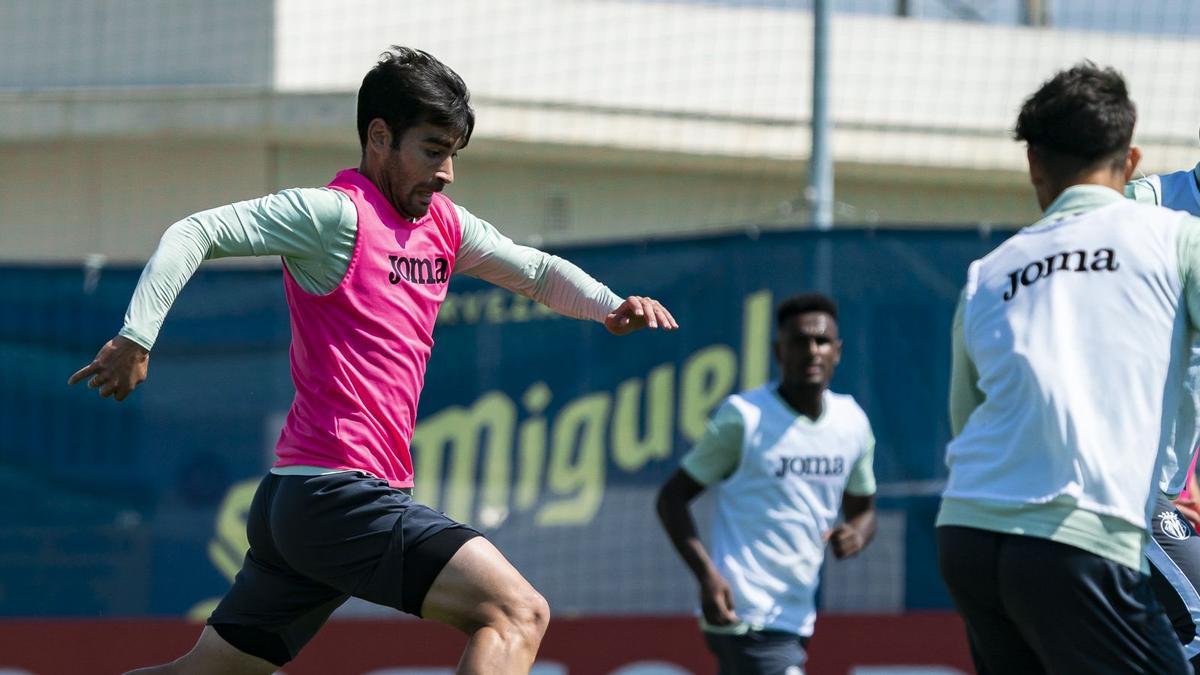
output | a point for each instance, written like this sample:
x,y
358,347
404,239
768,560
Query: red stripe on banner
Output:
x,y
843,645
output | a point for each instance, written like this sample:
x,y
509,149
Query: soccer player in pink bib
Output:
x,y
366,265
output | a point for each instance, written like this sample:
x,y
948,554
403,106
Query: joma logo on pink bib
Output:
x,y
419,270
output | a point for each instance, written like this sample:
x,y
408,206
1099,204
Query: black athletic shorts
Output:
x,y
759,652
1035,606
1174,555
317,540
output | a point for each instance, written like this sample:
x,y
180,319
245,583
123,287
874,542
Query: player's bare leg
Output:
x,y
212,655
482,594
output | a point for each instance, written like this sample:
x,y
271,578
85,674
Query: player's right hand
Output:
x,y
716,601
119,367
637,313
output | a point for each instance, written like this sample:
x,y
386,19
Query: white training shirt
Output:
x,y
1078,331
783,494
1179,190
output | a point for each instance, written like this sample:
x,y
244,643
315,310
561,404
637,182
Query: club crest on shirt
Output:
x,y
1170,525
418,270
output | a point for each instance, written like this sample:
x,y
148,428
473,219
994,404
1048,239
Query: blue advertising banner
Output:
x,y
548,433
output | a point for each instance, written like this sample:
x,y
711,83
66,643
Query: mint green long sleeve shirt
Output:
x,y
314,229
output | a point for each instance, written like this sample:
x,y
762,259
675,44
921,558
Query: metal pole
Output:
x,y
820,181
1033,13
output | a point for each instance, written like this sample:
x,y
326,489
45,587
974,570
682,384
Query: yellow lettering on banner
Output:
x,y
229,544
472,307
577,462
203,609
541,311
491,306
448,313
707,379
531,443
519,313
756,339
631,452
495,306
456,431
563,460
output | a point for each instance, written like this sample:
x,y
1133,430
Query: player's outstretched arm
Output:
x,y
119,367
716,597
850,537
559,284
639,312
292,223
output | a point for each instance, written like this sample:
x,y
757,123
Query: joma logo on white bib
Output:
x,y
1103,260
810,466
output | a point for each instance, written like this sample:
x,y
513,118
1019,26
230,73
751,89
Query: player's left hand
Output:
x,y
845,540
638,312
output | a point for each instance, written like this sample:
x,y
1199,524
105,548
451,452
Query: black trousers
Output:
x,y
1032,606
767,652
317,540
1174,555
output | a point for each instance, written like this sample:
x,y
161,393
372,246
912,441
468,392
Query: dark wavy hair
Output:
x,y
1079,118
408,87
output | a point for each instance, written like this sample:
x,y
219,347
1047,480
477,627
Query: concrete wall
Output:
x,y
102,43
62,200
735,81
597,119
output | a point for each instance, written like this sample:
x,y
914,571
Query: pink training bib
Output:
x,y
359,353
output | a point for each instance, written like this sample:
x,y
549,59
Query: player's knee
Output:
x,y
530,614
538,611
523,616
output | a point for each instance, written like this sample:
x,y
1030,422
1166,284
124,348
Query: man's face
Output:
x,y
808,349
422,164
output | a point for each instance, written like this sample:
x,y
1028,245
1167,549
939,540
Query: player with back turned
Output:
x,y
366,265
1070,347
